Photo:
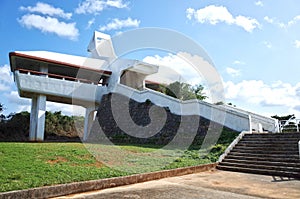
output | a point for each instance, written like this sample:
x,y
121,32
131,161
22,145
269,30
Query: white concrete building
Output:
x,y
48,76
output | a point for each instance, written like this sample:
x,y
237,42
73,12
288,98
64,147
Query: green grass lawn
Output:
x,y
28,165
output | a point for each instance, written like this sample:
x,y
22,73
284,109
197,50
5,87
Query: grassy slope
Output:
x,y
27,165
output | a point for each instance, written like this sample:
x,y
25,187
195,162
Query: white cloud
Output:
x,y
294,21
47,9
259,3
237,62
6,78
66,109
233,72
24,104
249,24
211,14
269,20
297,43
180,67
117,24
217,14
14,98
267,44
97,6
280,24
90,23
50,25
256,92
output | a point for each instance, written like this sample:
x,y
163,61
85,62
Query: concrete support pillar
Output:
x,y
37,118
88,121
260,128
38,110
250,123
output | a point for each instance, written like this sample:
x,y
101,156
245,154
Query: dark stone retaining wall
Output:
x,y
186,127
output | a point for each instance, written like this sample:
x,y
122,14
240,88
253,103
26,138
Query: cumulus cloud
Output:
x,y
219,14
237,62
90,23
267,44
233,72
269,20
6,78
47,9
97,6
14,98
281,24
259,3
297,43
50,25
24,104
66,109
180,67
117,24
257,92
177,68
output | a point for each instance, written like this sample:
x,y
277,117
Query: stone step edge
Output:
x,y
288,164
261,166
92,185
295,175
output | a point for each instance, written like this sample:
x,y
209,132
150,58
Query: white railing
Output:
x,y
292,124
232,118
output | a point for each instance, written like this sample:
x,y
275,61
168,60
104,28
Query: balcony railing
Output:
x,y
62,77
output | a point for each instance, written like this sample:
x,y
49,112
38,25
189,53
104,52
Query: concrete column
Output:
x,y
37,115
260,128
88,121
250,123
37,118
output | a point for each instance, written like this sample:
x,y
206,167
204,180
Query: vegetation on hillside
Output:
x,y
15,127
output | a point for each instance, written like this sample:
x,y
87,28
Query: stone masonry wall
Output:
x,y
176,130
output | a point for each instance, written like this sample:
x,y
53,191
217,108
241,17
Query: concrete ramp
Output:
x,y
235,119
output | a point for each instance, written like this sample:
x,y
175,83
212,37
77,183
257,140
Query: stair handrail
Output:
x,y
284,123
232,145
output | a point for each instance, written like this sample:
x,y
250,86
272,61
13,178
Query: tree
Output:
x,y
1,107
287,117
184,91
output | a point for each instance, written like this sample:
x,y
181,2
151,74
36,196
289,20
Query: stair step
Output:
x,y
273,135
268,142
261,166
261,171
283,156
259,162
265,153
259,147
271,139
268,152
271,159
269,145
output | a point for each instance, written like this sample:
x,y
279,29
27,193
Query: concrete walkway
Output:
x,y
210,184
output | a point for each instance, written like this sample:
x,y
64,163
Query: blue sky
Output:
x,y
254,44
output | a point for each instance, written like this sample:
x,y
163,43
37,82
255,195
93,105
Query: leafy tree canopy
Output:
x,y
1,107
184,91
287,117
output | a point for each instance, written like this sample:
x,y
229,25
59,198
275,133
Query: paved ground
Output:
x,y
211,184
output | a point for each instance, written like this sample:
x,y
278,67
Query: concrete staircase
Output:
x,y
266,154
